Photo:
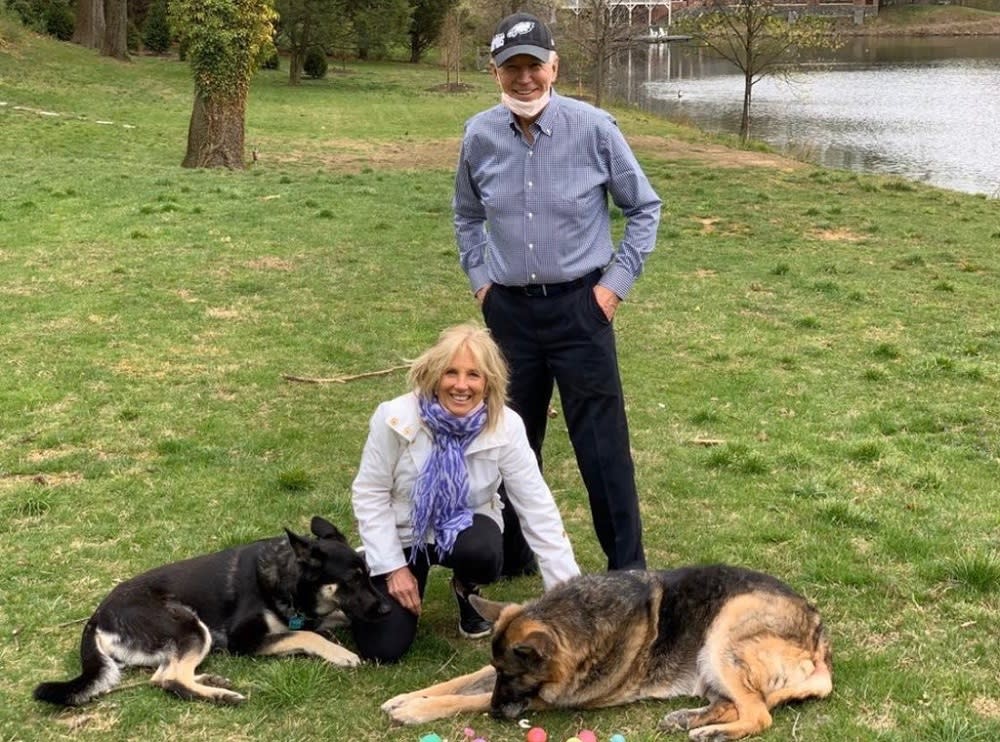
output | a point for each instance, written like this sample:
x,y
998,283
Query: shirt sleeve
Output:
x,y
632,193
371,497
470,223
536,508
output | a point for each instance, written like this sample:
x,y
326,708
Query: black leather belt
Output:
x,y
551,289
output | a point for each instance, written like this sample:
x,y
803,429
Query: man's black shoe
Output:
x,y
470,624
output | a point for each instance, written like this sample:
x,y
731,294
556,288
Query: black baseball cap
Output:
x,y
521,33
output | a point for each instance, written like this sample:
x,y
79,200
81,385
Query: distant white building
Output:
x,y
656,10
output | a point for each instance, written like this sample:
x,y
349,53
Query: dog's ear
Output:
x,y
323,528
488,609
302,547
534,649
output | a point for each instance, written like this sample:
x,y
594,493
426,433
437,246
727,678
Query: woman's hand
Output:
x,y
403,587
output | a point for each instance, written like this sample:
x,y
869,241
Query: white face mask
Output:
x,y
527,109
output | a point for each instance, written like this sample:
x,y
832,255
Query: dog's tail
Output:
x,y
100,674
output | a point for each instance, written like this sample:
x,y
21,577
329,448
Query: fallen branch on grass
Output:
x,y
707,441
342,379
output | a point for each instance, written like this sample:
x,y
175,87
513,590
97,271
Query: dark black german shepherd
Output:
x,y
744,640
267,597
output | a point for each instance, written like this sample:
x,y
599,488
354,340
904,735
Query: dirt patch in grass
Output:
x,y
836,235
452,87
10,481
270,263
352,156
988,708
716,154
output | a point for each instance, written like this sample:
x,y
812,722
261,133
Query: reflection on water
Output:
x,y
927,109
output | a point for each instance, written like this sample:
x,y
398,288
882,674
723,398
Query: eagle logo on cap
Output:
x,y
519,29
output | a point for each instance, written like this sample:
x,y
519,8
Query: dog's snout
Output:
x,y
510,710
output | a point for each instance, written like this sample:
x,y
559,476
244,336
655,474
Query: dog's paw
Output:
x,y
228,697
676,721
709,734
216,681
414,710
345,658
396,701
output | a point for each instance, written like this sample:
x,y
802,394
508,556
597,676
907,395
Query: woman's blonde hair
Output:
x,y
427,370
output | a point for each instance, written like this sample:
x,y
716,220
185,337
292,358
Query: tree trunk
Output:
x,y
295,60
745,119
115,42
216,132
88,29
414,49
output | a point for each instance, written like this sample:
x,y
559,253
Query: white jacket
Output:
x,y
398,446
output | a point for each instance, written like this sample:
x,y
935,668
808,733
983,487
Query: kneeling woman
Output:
x,y
426,489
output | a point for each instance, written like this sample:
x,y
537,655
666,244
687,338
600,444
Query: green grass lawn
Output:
x,y
811,362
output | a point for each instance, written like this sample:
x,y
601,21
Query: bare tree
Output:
x,y
757,38
452,44
596,33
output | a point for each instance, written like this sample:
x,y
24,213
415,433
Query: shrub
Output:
x,y
156,30
270,60
315,63
54,17
133,37
59,21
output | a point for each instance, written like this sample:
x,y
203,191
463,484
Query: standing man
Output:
x,y
533,232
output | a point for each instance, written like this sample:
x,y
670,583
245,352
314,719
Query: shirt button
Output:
x,y
531,245
530,215
533,276
531,153
530,184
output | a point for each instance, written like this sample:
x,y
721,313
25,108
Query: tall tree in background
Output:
x,y
757,38
225,40
340,27
88,29
103,25
425,24
306,24
379,24
115,42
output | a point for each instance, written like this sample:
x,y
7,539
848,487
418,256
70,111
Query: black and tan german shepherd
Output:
x,y
743,640
267,597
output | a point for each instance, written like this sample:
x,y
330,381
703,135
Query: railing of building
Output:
x,y
651,6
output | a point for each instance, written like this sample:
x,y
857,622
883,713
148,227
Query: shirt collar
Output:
x,y
545,119
403,416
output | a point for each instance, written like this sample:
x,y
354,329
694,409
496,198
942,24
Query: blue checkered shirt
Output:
x,y
538,213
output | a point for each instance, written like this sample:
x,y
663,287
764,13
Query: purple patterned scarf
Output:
x,y
441,493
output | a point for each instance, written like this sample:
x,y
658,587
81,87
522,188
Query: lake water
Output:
x,y
926,109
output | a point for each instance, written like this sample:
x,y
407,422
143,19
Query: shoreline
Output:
x,y
927,21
